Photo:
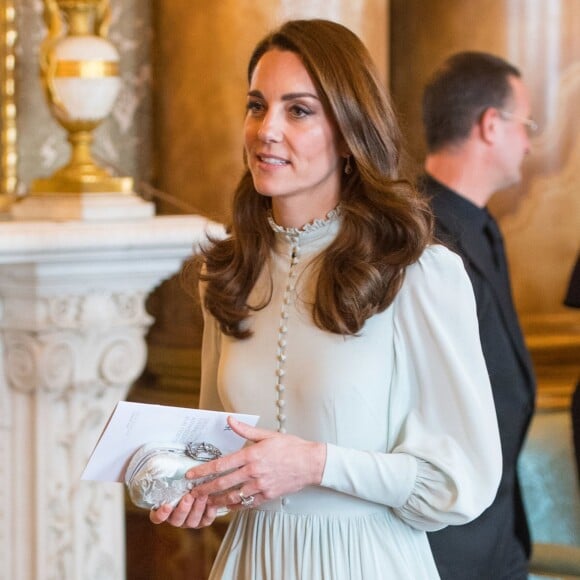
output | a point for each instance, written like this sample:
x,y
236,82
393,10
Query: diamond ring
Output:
x,y
247,501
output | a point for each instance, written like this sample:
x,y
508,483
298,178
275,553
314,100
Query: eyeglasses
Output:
x,y
530,124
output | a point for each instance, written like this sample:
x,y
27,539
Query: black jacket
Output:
x,y
497,544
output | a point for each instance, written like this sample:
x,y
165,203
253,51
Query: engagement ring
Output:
x,y
247,501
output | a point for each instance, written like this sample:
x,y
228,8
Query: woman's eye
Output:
x,y
254,107
299,111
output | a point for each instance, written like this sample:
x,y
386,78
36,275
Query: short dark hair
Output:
x,y
459,92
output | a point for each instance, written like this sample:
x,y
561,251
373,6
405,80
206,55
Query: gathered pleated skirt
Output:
x,y
322,535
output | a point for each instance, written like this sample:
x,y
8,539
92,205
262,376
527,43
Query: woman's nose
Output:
x,y
270,130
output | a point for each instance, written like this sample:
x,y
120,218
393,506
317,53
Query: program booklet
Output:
x,y
132,425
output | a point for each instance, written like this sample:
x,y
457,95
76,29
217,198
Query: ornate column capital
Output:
x,y
90,340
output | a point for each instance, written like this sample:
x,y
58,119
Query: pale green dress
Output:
x,y
405,409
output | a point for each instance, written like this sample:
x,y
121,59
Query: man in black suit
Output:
x,y
476,117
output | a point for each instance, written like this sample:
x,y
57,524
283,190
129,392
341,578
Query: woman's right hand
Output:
x,y
190,512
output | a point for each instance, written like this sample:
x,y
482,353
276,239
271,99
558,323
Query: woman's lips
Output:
x,y
272,160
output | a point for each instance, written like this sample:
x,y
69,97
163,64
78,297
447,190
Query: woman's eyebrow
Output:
x,y
286,97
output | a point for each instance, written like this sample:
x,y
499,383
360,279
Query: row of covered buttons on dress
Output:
x,y
283,342
283,332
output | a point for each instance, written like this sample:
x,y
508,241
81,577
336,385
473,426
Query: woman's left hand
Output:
x,y
277,464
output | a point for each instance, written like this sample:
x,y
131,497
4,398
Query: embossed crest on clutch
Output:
x,y
156,473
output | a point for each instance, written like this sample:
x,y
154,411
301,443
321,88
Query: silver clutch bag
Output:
x,y
156,472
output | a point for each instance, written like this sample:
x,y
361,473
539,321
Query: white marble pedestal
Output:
x,y
72,328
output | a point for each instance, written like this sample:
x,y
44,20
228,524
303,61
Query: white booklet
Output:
x,y
131,425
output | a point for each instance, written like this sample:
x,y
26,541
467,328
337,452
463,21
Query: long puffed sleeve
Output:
x,y
443,463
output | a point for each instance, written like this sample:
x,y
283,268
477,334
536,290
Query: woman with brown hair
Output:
x,y
329,313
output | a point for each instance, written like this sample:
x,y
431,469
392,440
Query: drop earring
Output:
x,y
347,166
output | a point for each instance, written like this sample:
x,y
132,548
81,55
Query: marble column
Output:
x,y
72,338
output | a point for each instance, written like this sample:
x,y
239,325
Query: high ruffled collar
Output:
x,y
314,226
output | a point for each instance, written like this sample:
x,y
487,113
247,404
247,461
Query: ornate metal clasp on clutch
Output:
x,y
202,451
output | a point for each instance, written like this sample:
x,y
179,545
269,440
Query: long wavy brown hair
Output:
x,y
385,223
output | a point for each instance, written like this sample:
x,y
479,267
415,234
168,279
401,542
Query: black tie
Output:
x,y
499,260
495,240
